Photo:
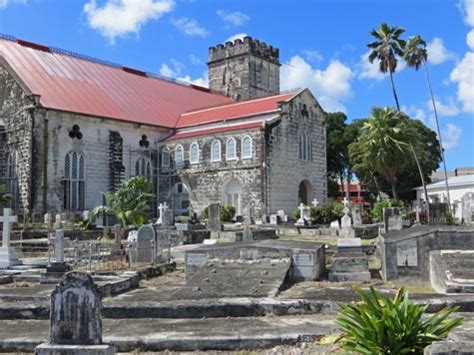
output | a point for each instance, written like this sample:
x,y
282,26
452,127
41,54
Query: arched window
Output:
x,y
179,155
165,157
231,149
143,168
246,147
216,150
179,199
12,186
194,153
233,193
74,181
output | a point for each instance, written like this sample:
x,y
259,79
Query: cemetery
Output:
x,y
270,282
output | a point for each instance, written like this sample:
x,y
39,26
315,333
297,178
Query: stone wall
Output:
x,y
285,171
16,120
405,253
244,69
207,181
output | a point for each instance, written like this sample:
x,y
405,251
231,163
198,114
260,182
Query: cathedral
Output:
x,y
73,128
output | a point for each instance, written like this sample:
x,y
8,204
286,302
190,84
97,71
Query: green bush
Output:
x,y
380,325
377,210
227,213
323,214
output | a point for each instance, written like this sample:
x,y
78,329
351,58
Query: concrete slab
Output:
x,y
452,271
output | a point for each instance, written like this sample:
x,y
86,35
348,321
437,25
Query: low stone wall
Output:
x,y
366,231
405,253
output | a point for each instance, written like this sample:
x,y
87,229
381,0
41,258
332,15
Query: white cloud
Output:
x,y
236,18
118,18
470,39
173,70
448,109
451,136
368,70
201,81
195,60
437,52
190,27
463,75
467,9
5,3
313,56
236,36
414,112
330,86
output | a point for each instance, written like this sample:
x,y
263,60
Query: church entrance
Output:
x,y
233,194
305,192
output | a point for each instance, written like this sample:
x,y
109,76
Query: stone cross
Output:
x,y
7,219
315,203
417,208
162,208
300,221
59,245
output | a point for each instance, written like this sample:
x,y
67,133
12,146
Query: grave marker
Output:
x,y
356,216
214,221
407,253
392,219
146,244
8,256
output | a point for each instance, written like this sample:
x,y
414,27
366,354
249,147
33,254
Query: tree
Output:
x,y
386,47
130,203
383,145
416,56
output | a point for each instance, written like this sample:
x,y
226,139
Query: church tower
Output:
x,y
244,69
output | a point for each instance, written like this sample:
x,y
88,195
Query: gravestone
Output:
x,y
283,216
335,224
8,256
168,218
356,217
305,216
349,263
161,211
56,269
417,214
392,219
438,213
248,214
75,323
346,220
146,244
407,253
214,222
274,219
48,219
117,252
247,235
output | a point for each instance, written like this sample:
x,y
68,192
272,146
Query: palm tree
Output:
x,y
416,56
386,48
383,144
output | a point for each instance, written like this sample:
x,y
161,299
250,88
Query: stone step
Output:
x,y
180,335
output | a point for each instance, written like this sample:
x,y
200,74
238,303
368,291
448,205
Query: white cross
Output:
x,y
59,245
7,219
315,203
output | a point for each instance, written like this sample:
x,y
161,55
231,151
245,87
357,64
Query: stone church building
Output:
x,y
74,127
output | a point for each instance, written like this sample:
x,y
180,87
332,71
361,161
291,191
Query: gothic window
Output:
x,y
143,168
216,150
12,179
194,153
179,199
305,147
74,181
179,155
246,147
165,157
233,194
231,149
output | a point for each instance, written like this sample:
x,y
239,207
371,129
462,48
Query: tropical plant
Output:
x,y
385,49
416,56
380,325
377,210
382,146
227,213
5,197
130,203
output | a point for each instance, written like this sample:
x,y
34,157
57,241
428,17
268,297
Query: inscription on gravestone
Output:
x,y
195,259
407,253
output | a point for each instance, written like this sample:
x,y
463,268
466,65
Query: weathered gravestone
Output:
x,y
166,218
117,252
75,323
346,220
8,256
438,213
305,216
356,216
146,244
274,219
214,222
335,224
392,219
56,269
283,216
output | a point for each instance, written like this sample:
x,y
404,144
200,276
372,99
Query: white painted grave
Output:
x,y
8,256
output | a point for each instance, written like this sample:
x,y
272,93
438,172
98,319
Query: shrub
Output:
x,y
297,213
380,325
366,217
377,210
227,213
323,214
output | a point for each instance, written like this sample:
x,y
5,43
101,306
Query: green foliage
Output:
x,y
377,209
380,325
85,224
5,197
323,214
130,203
227,213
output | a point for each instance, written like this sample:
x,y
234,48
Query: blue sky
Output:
x,y
322,46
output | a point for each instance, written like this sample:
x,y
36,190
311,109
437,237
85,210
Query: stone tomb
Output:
x,y
349,263
307,259
145,245
75,323
392,219
8,256
452,271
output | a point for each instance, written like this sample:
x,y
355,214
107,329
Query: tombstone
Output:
x,y
392,219
346,220
274,219
48,219
349,263
214,222
335,224
146,244
132,236
305,216
117,252
417,214
247,235
75,323
356,216
283,216
248,214
161,208
8,256
56,269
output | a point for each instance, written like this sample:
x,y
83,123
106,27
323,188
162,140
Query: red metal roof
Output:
x,y
233,110
66,82
209,131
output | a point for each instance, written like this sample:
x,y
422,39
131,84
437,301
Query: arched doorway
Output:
x,y
305,192
233,196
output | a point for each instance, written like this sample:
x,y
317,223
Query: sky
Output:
x,y
323,46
